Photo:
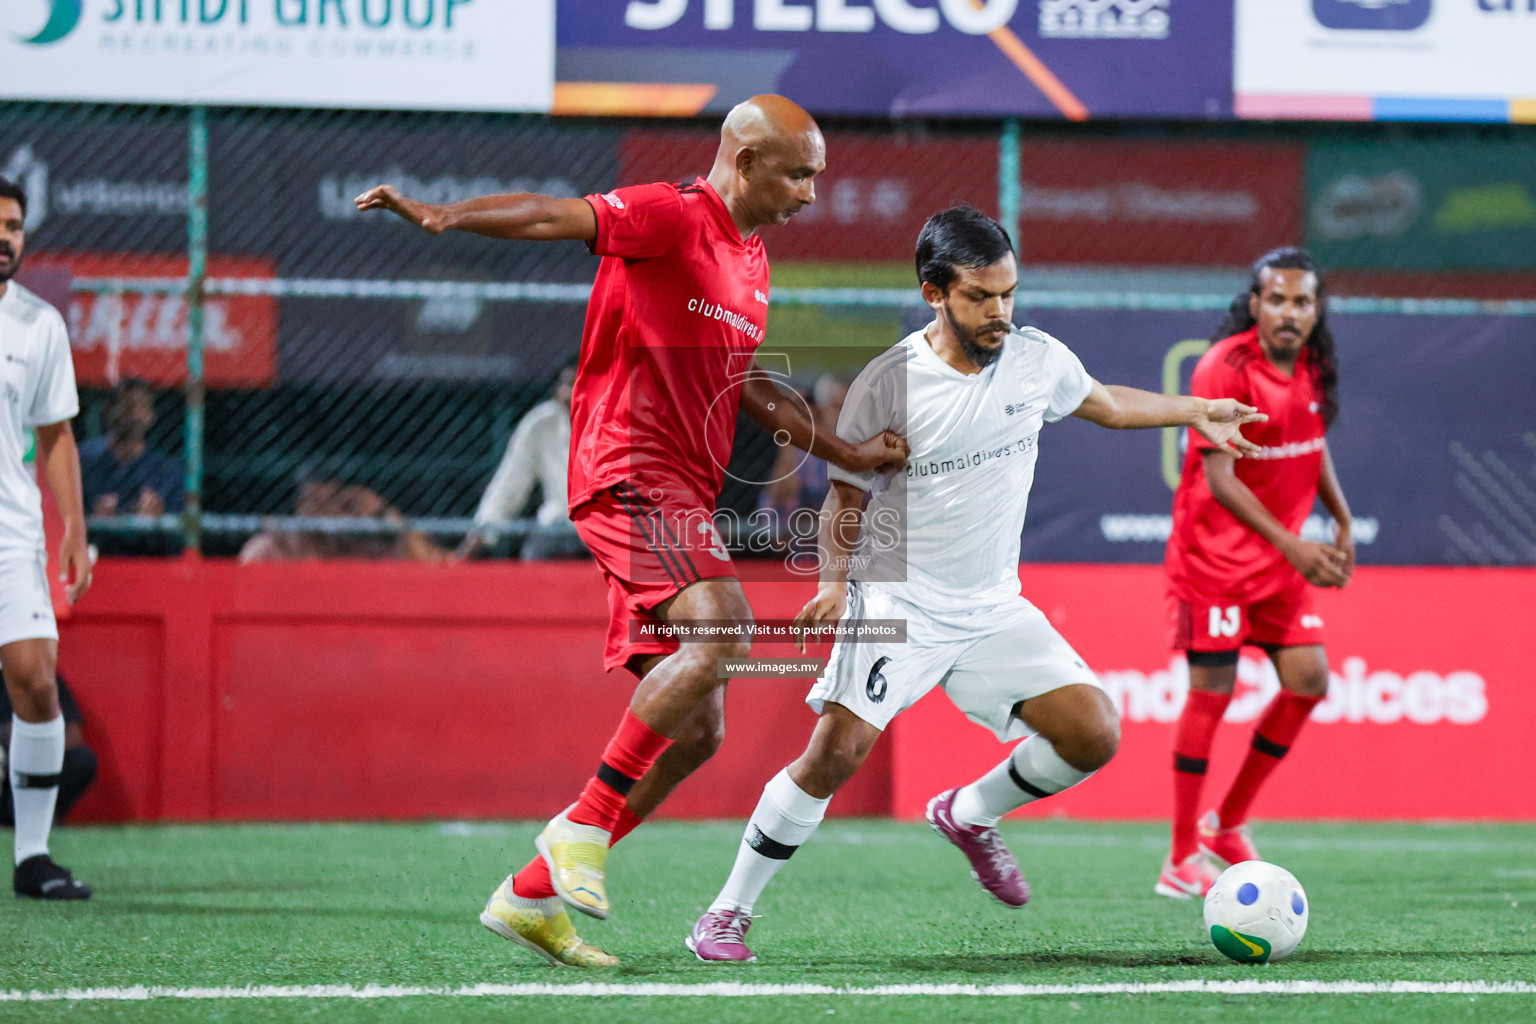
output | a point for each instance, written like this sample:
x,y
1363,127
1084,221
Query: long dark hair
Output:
x,y
1325,369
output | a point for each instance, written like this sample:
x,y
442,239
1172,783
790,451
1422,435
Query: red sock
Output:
x,y
1191,755
1276,731
532,883
630,754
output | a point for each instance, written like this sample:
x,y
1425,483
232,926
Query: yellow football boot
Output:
x,y
542,926
576,855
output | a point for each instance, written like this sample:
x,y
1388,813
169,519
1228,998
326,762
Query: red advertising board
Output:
x,y
1158,202
188,672
870,202
1428,715
145,335
1084,201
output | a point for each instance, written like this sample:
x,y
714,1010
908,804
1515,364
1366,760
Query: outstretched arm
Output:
x,y
774,409
61,465
1216,419
520,215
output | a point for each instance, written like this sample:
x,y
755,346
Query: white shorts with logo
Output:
x,y
26,608
1003,654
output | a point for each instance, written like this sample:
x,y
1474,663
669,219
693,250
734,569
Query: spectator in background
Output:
x,y
121,473
325,498
538,452
79,759
799,478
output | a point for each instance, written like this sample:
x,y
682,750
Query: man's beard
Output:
x,y
9,270
974,350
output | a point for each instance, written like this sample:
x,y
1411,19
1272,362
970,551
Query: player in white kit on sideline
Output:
x,y
37,379
938,547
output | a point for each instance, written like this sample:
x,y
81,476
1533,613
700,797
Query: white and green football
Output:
x,y
1256,912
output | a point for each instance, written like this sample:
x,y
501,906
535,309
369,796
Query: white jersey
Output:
x,y
39,381
945,535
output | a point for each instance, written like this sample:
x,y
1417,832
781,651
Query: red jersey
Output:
x,y
1210,550
678,309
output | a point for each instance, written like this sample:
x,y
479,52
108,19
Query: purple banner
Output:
x,y
1033,58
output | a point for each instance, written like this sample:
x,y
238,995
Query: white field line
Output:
x,y
739,990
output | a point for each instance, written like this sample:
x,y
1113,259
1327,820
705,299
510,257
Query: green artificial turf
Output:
x,y
865,903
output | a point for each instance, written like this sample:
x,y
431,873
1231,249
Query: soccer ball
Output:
x,y
1256,912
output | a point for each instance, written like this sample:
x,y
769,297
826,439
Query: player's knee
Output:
x,y
1310,684
841,757
1101,745
33,691
1093,743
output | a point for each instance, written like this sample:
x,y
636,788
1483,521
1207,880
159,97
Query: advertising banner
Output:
x,y
1435,441
1039,58
871,201
1083,200
1455,205
389,54
99,185
1456,60
145,335
1408,700
1164,202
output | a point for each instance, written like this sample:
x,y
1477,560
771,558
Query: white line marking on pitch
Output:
x,y
730,990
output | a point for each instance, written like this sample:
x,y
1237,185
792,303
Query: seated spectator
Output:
x,y
331,499
119,472
79,760
537,453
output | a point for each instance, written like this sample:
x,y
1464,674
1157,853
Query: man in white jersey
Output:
x,y
38,381
938,547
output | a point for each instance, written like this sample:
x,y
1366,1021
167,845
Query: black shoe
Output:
x,y
39,878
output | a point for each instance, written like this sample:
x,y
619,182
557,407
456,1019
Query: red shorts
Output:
x,y
1216,622
648,553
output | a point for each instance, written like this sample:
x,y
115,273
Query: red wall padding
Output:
x,y
385,690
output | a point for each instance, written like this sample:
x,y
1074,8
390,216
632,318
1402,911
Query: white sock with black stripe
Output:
x,y
784,818
1033,771
37,758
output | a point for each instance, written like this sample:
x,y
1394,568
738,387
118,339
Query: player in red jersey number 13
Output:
x,y
1239,570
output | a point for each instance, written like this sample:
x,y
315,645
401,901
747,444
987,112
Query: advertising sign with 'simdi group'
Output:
x,y
389,54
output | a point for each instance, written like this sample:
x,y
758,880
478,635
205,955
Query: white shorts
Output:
x,y
1005,653
26,609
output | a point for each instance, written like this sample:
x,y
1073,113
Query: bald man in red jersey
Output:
x,y
678,308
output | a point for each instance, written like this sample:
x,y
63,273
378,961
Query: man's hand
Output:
x,y
106,505
74,564
1220,422
1321,565
387,197
884,452
824,609
1344,544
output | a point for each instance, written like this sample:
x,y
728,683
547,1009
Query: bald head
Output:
x,y
766,120
770,151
